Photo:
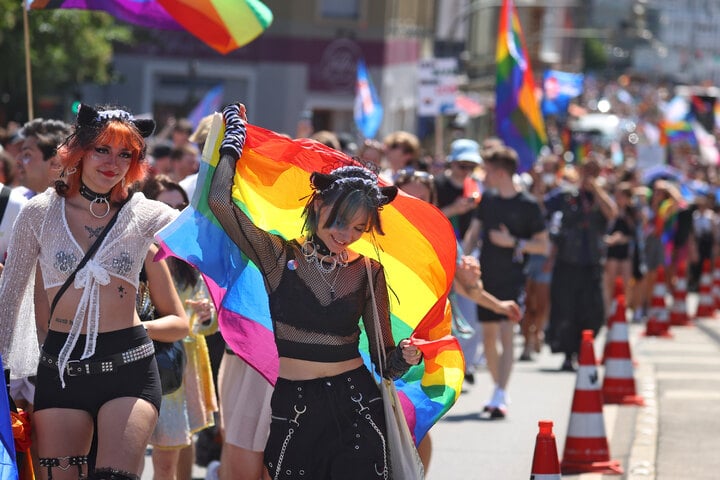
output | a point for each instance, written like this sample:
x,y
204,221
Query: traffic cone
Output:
x,y
545,465
706,304
678,314
716,285
618,309
619,380
658,324
586,445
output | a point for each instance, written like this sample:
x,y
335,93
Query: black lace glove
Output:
x,y
235,132
396,365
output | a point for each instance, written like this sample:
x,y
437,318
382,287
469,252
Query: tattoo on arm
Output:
x,y
93,232
121,291
64,321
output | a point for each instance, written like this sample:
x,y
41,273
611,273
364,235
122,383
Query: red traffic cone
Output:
x,y
619,380
545,465
586,445
617,316
678,314
706,304
658,324
716,284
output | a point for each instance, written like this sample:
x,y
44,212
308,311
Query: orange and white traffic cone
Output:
x,y
658,324
706,304
619,380
618,313
678,315
545,465
586,445
716,284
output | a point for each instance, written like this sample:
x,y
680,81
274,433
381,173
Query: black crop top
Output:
x,y
309,322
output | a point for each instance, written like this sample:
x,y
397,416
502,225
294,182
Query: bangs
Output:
x,y
121,133
347,207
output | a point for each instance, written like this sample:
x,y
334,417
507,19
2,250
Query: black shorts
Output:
x,y
501,292
327,428
139,379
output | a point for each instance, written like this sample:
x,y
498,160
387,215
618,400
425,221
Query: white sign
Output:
x,y
437,86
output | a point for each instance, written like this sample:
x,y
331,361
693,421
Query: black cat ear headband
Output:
x,y
90,117
355,178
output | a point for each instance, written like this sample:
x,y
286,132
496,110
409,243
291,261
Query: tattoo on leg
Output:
x,y
121,291
93,232
64,321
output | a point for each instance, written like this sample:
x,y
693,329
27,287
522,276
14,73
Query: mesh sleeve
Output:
x,y
263,249
16,322
391,363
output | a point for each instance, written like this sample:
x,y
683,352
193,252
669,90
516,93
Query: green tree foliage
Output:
x,y
594,56
68,48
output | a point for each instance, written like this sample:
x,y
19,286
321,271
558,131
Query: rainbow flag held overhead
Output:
x,y
224,25
271,185
517,112
145,13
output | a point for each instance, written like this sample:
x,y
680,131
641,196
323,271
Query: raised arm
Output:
x,y
260,247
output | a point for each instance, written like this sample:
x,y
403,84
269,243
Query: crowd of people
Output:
x,y
538,257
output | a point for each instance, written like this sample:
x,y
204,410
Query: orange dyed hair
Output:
x,y
82,142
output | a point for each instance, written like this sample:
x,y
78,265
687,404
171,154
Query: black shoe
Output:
x,y
493,413
470,378
567,365
525,357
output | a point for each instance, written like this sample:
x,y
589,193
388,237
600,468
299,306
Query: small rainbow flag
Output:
x,y
418,252
517,111
677,132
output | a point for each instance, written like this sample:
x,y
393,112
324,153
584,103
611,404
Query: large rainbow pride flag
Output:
x,y
418,252
224,25
517,111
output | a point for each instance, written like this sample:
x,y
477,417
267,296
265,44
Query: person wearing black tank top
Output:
x,y
327,414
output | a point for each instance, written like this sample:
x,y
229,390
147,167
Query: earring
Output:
x,y
70,171
123,182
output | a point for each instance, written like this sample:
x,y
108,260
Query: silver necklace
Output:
x,y
325,264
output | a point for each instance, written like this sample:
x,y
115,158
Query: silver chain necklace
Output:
x,y
325,264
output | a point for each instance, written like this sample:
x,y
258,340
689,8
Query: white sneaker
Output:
x,y
211,472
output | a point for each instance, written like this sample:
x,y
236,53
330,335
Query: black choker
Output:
x,y
95,198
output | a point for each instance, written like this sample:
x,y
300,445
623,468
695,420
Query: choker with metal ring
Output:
x,y
95,198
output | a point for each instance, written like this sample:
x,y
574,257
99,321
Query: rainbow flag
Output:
x,y
8,467
517,112
677,132
224,25
418,252
145,13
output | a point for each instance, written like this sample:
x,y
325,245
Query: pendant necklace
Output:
x,y
102,199
324,264
330,285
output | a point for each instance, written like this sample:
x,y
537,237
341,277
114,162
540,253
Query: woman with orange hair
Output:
x,y
89,237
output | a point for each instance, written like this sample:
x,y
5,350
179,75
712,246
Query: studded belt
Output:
x,y
107,364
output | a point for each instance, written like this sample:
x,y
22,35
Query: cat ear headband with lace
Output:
x,y
354,178
89,117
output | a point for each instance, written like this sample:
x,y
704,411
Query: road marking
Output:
x,y
691,395
688,375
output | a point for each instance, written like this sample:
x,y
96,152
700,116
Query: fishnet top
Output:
x,y
310,322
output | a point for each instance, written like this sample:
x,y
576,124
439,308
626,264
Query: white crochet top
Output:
x,y
41,232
